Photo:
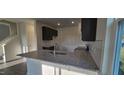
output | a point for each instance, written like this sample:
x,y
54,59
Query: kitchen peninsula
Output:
x,y
71,61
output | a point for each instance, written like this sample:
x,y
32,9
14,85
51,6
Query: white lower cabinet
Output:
x,y
47,70
67,72
36,67
50,70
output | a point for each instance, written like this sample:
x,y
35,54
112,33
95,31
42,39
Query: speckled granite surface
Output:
x,y
81,60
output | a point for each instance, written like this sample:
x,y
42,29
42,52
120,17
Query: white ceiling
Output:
x,y
18,19
64,22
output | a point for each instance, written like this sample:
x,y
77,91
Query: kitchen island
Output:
x,y
72,61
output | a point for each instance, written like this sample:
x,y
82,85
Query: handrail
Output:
x,y
7,40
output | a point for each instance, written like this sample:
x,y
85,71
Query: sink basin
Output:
x,y
59,53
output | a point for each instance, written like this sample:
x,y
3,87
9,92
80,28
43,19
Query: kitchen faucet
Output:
x,y
54,46
54,49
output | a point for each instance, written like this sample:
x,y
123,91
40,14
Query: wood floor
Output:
x,y
17,67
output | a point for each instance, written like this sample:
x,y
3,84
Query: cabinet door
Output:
x,y
51,70
46,33
47,70
88,28
67,72
55,33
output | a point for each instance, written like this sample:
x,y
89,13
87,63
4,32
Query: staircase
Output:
x,y
8,32
2,47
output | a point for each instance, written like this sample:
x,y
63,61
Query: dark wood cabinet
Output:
x,y
88,29
55,33
48,33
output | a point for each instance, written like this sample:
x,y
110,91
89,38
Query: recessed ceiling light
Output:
x,y
72,22
58,24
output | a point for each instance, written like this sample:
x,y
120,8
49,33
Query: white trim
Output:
x,y
4,54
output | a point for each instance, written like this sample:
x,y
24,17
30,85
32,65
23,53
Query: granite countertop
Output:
x,y
81,60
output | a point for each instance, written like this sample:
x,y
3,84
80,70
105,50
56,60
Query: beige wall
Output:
x,y
39,34
28,36
70,37
31,36
109,47
98,45
12,49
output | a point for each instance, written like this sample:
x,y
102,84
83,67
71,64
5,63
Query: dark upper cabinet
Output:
x,y
88,29
55,33
48,33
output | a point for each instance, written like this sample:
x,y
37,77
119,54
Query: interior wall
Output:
x,y
31,36
12,49
107,47
112,48
39,34
98,46
28,36
70,37
23,37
